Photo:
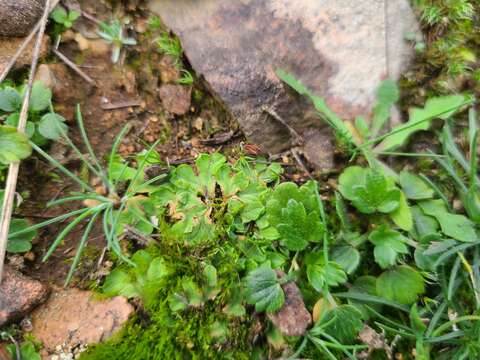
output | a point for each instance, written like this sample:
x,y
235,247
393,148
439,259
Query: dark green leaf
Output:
x,y
320,273
414,187
346,324
388,244
263,289
347,257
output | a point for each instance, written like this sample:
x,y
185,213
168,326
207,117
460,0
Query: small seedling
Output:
x,y
114,209
43,122
64,18
114,34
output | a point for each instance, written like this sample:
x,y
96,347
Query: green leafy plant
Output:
x,y
171,46
115,209
362,138
114,34
14,146
142,280
43,122
64,18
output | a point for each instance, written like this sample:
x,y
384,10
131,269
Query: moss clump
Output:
x,y
160,333
164,335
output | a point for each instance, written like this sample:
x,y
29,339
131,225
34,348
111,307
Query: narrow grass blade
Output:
x,y
80,248
450,323
86,141
115,146
63,169
48,222
371,299
435,318
437,191
77,198
68,229
473,141
453,278
453,251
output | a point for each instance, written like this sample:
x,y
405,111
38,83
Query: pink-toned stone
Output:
x,y
293,319
74,317
19,295
176,99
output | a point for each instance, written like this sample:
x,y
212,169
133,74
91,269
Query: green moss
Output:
x,y
160,333
178,336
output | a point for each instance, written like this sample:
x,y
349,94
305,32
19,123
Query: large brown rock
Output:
x,y
17,17
19,295
341,49
73,318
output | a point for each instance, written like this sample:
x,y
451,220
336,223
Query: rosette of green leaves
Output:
x,y
293,216
43,123
371,191
199,199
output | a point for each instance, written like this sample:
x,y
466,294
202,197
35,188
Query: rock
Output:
x,y
73,318
9,46
340,49
18,17
19,295
169,73
176,99
293,319
46,76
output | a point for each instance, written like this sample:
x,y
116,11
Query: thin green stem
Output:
x,y
63,169
460,319
80,248
48,222
69,228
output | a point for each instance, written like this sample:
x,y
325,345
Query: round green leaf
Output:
x,y
52,126
14,146
402,284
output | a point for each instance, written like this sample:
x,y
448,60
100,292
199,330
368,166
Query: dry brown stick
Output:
x,y
24,45
74,67
11,185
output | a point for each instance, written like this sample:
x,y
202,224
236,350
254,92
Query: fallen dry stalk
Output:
x,y
74,67
13,168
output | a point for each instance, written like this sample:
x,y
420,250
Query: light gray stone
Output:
x,y
341,49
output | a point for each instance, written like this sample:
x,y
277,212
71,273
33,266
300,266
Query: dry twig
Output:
x,y
14,167
74,67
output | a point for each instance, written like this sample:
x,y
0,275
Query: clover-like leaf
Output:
x,y
388,244
52,126
369,190
402,284
345,323
14,146
10,99
347,257
40,98
262,289
297,228
375,195
320,273
23,242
